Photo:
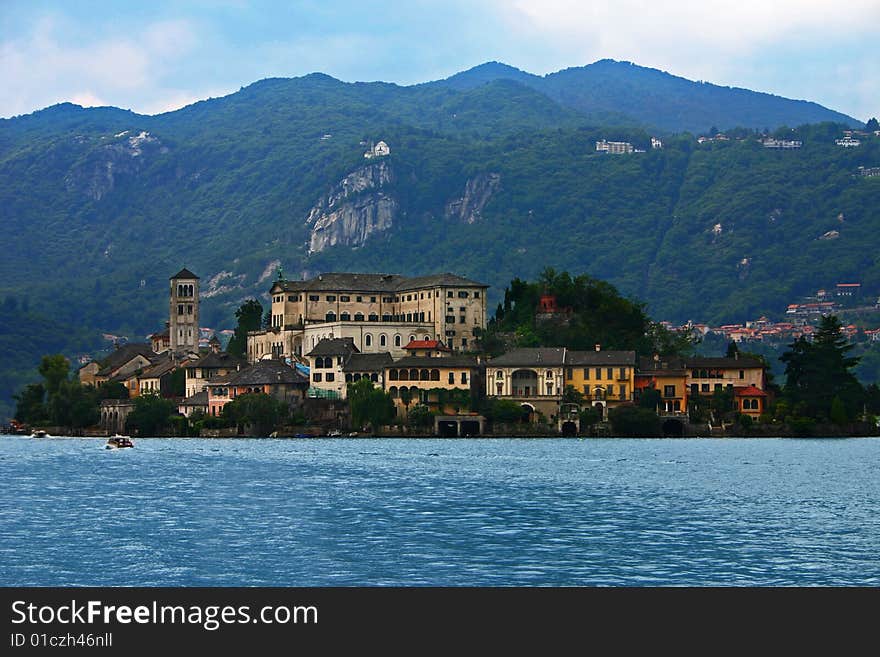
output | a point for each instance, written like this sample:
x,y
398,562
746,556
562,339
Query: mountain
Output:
x,y
490,180
654,98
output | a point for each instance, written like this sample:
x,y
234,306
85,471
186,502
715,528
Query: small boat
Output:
x,y
39,433
118,442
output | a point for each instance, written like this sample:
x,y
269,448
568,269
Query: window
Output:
x,y
316,377
435,375
409,317
180,309
358,317
429,295
396,340
386,299
331,316
586,374
742,374
464,377
705,387
372,299
421,317
622,391
383,340
386,317
610,372
598,373
344,298
422,295
476,295
345,317
368,340
462,320
451,344
373,317
622,373
718,387
450,319
452,378
360,299
569,373
330,377
669,391
313,297
331,297
450,294
464,342
499,374
587,390
293,298
461,309
462,294
695,388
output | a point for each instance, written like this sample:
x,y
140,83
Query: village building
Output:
x,y
614,147
184,312
366,366
750,401
668,376
432,380
605,378
705,375
197,403
380,149
326,361
161,342
531,377
118,365
156,379
271,377
377,312
203,370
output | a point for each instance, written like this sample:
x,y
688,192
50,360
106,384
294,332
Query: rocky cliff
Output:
x,y
477,192
358,206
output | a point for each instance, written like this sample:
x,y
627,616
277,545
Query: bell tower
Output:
x,y
183,328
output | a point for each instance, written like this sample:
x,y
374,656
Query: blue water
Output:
x,y
441,512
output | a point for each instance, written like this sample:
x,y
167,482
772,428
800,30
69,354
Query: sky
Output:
x,y
158,56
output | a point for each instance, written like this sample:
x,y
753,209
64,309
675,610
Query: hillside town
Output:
x,y
417,340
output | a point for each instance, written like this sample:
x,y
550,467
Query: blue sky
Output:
x,y
157,56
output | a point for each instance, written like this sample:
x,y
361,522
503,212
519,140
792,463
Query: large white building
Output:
x,y
378,312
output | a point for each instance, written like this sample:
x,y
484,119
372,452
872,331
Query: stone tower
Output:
x,y
184,312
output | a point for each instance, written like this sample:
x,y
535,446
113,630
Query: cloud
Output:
x,y
44,66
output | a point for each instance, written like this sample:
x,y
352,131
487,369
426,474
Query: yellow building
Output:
x,y
668,376
605,378
447,384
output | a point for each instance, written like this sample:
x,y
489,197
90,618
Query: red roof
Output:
x,y
749,391
427,344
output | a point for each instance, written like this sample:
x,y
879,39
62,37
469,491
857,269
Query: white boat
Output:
x,y
39,433
118,442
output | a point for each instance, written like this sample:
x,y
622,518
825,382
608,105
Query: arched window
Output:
x,y
393,392
319,363
499,374
368,340
409,317
331,316
348,378
435,375
392,375
396,340
374,377
357,377
358,317
413,375
404,375
424,375
383,340
411,338
549,374
374,317
345,317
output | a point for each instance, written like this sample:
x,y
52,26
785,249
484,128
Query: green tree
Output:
x,y
838,412
633,421
150,415
74,406
732,350
420,416
258,410
818,372
112,390
369,405
572,396
54,369
30,405
872,125
504,411
650,399
249,316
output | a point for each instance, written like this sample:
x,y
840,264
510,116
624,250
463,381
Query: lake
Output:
x,y
218,512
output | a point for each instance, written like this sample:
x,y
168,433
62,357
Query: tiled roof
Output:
x,y
749,391
356,282
743,362
367,362
218,360
664,365
438,362
267,372
600,358
124,354
531,357
198,399
159,368
334,347
185,274
427,344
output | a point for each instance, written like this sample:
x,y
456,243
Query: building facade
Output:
x,y
183,327
378,312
